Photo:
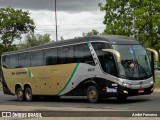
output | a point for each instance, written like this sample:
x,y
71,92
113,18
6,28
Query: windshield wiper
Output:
x,y
142,68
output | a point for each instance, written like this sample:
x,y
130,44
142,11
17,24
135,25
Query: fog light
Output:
x,y
126,92
125,84
152,89
151,82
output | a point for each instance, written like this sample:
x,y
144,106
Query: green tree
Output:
x,y
117,18
93,32
62,38
34,40
147,22
136,18
14,23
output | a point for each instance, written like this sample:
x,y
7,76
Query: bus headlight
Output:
x,y
125,84
151,82
126,92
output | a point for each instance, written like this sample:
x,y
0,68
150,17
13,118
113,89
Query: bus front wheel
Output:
x,y
92,94
20,94
28,94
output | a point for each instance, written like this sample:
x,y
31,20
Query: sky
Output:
x,y
74,16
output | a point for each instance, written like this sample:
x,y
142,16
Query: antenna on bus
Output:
x,y
56,19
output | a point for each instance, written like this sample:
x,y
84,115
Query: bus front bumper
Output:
x,y
134,92
120,90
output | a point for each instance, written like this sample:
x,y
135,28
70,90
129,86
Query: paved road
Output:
x,y
147,103
157,73
138,103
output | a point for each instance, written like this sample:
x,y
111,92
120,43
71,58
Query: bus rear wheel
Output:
x,y
20,94
28,94
92,94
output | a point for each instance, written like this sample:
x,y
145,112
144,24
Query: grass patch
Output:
x,y
157,83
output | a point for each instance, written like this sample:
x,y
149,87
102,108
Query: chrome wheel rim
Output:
x,y
20,95
92,95
28,95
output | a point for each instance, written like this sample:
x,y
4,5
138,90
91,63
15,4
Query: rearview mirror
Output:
x,y
156,56
115,52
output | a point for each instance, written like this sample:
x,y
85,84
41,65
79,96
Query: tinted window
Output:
x,y
83,54
14,61
62,55
36,58
108,64
65,55
106,59
24,60
70,55
50,57
98,46
78,53
6,61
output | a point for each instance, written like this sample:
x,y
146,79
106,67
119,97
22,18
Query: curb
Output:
x,y
156,90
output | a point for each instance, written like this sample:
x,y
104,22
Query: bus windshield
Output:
x,y
135,62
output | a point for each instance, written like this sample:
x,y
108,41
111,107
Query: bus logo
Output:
x,y
6,114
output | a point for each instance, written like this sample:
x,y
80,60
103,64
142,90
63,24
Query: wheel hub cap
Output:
x,y
92,94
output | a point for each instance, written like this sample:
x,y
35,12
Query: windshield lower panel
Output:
x,y
135,64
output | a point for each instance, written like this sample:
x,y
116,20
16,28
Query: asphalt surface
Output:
x,y
137,103
157,73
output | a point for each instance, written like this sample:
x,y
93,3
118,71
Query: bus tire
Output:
x,y
122,98
20,94
92,94
28,94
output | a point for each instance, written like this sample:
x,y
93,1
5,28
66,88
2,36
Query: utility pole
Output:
x,y
56,20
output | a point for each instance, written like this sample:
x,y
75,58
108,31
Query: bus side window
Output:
x,y
87,55
14,61
65,55
98,46
50,57
36,58
6,61
83,55
70,55
108,64
24,60
106,59
78,54
62,55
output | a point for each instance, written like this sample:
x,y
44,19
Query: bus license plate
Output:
x,y
140,91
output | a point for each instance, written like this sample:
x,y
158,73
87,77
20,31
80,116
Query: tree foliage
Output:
x,y
136,18
117,18
34,40
93,32
14,23
61,38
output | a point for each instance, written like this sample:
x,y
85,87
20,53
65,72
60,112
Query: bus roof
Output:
x,y
112,39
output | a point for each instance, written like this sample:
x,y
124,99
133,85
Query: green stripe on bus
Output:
x,y
88,43
29,72
69,78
